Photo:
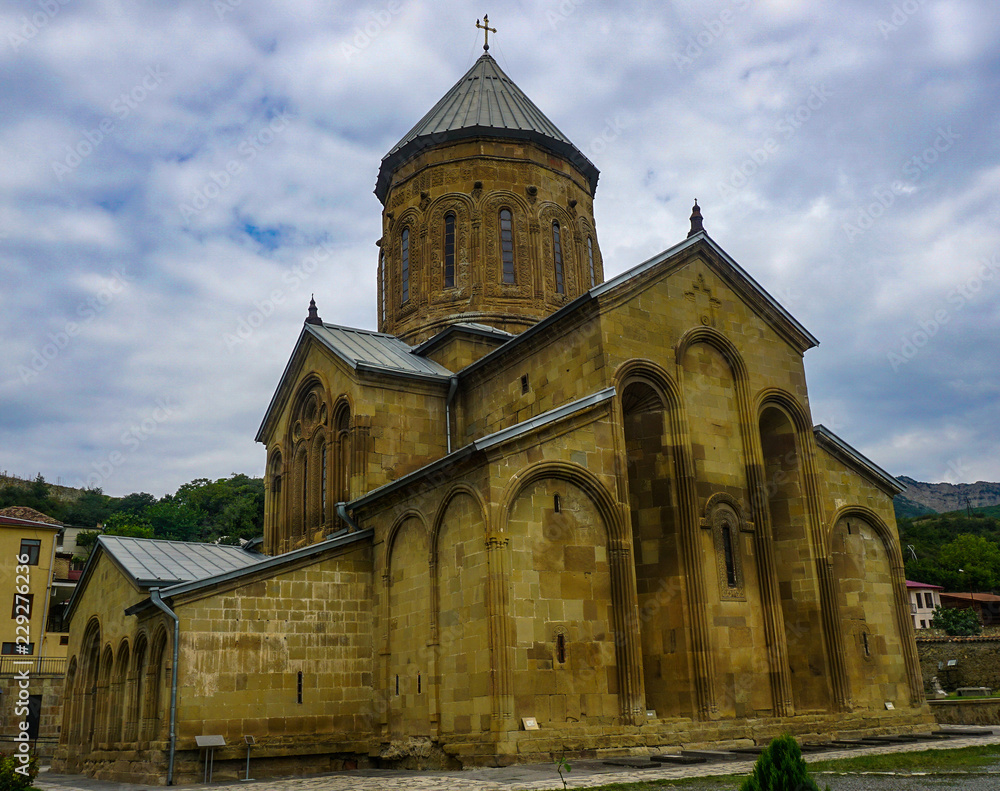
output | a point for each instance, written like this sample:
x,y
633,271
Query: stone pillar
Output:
x,y
625,606
500,637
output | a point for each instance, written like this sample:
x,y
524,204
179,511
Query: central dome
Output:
x,y
487,214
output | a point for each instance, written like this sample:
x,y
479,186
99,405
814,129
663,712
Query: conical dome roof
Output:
x,y
485,102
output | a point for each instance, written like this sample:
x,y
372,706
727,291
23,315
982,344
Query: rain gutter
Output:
x,y
154,595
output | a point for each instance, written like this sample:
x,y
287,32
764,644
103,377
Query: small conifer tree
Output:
x,y
780,768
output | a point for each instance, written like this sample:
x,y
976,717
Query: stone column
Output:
x,y
625,606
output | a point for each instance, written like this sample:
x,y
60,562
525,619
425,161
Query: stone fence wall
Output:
x,y
977,661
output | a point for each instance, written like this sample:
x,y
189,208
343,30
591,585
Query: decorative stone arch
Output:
x,y
901,600
118,693
649,373
393,534
412,220
90,666
71,703
104,712
319,484
623,594
463,207
275,481
137,685
721,343
582,478
522,220
457,489
155,682
548,214
585,230
725,517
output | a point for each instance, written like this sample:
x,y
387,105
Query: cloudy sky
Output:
x,y
166,169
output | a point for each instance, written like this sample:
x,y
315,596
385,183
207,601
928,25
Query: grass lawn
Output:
x,y
965,759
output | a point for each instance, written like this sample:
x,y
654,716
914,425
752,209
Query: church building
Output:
x,y
537,511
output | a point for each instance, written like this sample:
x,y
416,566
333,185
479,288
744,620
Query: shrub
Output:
x,y
12,780
780,768
956,621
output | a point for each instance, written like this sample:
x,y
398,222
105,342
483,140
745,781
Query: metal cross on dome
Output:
x,y
485,27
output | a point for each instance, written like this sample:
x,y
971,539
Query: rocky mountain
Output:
x,y
922,498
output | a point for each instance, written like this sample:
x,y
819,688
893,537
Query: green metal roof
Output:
x,y
485,102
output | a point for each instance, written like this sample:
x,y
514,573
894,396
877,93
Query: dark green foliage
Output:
x,y
202,510
87,538
780,768
11,779
958,552
956,621
90,509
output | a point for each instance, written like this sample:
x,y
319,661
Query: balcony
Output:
x,y
35,666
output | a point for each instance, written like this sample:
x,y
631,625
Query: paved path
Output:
x,y
530,777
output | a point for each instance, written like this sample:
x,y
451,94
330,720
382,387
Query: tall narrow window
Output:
x,y
449,250
381,265
727,548
590,258
298,691
864,641
557,254
322,488
406,264
305,492
561,648
507,245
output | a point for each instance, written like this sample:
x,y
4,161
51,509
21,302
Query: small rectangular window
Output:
x,y
561,648
64,639
17,649
524,384
864,640
299,688
31,547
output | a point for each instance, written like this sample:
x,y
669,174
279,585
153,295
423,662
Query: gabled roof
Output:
x,y
24,514
361,350
376,351
152,562
158,563
922,585
335,541
771,310
834,444
485,102
465,328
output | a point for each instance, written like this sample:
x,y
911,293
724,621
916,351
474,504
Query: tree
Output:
x,y
134,503
780,768
90,509
174,519
956,621
127,525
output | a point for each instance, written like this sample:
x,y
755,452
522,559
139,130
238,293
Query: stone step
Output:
x,y
676,758
755,750
964,732
850,743
632,763
715,755
817,747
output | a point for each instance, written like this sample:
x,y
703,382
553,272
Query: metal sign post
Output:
x,y
250,743
210,743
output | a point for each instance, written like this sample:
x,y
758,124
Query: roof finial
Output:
x,y
486,30
313,317
696,218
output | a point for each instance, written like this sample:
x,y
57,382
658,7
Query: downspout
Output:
x,y
154,596
342,513
452,389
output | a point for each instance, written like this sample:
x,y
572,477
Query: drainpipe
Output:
x,y
342,513
452,389
154,595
